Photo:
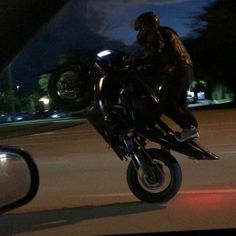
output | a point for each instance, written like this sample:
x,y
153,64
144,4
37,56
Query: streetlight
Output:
x,y
45,102
11,88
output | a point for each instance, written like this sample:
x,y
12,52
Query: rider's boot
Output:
x,y
188,133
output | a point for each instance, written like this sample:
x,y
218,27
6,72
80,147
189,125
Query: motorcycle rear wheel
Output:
x,y
166,184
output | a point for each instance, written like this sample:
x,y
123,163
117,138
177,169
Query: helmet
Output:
x,y
147,19
146,24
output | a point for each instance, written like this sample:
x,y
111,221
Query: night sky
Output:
x,y
94,25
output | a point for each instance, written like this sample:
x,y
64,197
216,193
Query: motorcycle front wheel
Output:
x,y
161,187
69,87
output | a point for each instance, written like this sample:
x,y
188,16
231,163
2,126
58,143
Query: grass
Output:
x,y
9,130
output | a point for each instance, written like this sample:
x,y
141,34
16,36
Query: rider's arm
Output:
x,y
146,59
177,53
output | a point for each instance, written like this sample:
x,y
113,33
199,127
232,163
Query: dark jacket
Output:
x,y
174,52
164,51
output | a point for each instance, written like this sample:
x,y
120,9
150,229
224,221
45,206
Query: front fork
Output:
x,y
142,161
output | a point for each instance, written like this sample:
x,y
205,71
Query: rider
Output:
x,y
163,50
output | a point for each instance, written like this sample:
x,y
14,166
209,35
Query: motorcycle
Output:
x,y
124,110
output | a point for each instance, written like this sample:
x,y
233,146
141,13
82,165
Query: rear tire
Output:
x,y
158,192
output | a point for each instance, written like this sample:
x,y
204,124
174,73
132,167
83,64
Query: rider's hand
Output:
x,y
144,67
127,60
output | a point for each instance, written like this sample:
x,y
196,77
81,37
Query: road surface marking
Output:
x,y
41,134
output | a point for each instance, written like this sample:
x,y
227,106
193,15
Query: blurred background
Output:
x,y
76,30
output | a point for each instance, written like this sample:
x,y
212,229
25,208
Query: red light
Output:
x,y
209,200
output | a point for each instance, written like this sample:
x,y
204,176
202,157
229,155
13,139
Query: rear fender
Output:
x,y
188,148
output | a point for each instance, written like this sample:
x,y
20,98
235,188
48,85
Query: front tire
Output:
x,y
69,87
168,178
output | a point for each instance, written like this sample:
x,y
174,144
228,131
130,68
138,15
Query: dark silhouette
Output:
x,y
212,44
165,52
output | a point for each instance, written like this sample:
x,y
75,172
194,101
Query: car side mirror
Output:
x,y
19,178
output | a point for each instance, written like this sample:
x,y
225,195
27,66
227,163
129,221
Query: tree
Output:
x,y
6,98
76,55
43,82
212,45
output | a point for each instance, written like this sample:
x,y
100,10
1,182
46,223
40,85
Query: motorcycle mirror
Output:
x,y
19,178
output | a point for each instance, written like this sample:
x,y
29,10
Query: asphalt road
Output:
x,y
83,189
